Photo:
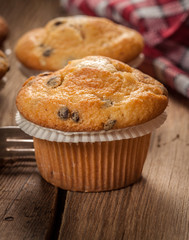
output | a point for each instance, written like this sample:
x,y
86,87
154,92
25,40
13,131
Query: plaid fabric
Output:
x,y
164,25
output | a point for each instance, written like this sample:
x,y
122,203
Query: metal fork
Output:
x,y
14,143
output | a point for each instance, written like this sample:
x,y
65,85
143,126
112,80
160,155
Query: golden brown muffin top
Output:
x,y
93,93
66,38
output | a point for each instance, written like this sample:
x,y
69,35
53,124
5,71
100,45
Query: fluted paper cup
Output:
x,y
91,161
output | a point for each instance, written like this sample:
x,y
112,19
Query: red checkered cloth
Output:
x,y
164,25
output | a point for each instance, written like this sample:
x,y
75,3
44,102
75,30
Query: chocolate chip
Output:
x,y
107,103
75,116
64,113
58,23
54,82
42,45
47,52
109,124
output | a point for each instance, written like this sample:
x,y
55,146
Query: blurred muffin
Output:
x,y
66,38
3,29
95,96
4,65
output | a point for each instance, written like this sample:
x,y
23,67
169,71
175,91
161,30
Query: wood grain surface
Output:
x,y
26,201
155,208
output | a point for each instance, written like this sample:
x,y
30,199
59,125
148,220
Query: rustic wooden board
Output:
x,y
27,202
157,207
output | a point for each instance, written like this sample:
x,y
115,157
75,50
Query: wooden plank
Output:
x,y
26,201
154,208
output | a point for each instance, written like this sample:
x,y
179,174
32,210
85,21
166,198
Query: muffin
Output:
x,y
4,65
91,122
67,38
3,29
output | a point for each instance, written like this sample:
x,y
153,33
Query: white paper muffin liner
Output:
x,y
30,72
137,61
96,136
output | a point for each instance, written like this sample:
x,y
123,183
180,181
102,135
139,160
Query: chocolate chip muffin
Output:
x,y
66,38
91,122
4,65
92,94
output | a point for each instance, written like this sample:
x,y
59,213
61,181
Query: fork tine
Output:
x,y
15,143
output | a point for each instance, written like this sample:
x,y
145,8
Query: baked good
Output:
x,y
4,65
89,93
91,122
66,38
3,29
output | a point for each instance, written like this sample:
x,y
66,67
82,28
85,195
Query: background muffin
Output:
x,y
4,65
67,38
3,29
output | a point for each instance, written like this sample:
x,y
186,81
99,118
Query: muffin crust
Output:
x,y
90,94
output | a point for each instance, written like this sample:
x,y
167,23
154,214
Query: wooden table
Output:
x,y
157,207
